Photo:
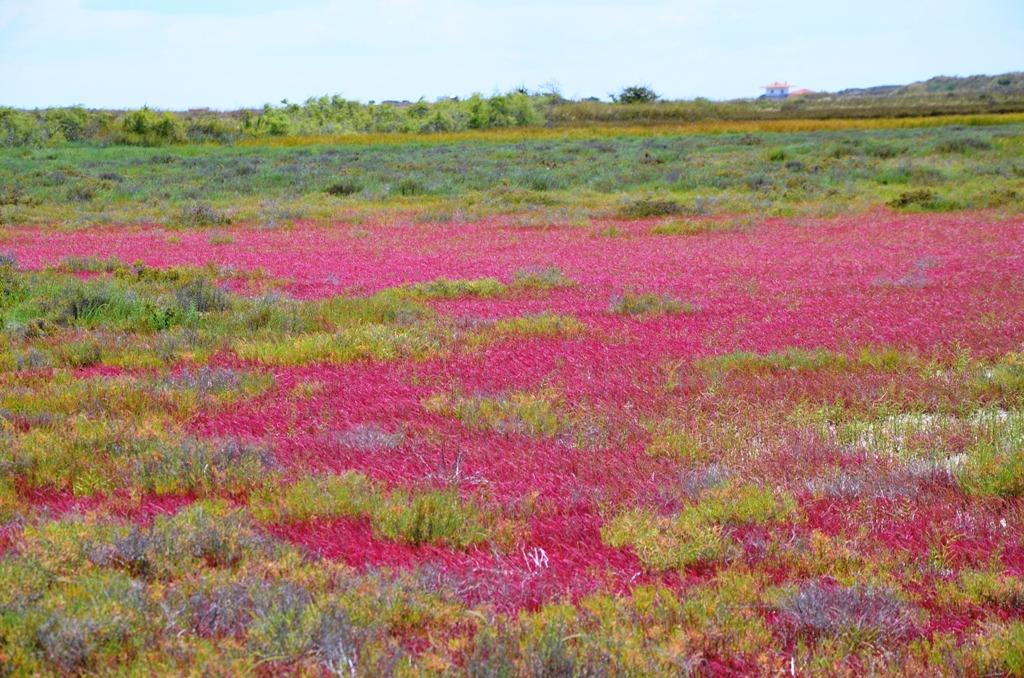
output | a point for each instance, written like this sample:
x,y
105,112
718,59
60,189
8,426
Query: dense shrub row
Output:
x,y
332,115
323,115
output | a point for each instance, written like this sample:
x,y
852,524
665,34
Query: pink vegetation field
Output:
x,y
788,369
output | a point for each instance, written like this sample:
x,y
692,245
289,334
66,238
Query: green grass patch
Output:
x,y
994,464
542,278
445,288
998,649
698,533
534,414
674,441
425,516
544,324
808,360
366,342
645,304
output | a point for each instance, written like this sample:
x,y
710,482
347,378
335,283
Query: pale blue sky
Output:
x,y
231,53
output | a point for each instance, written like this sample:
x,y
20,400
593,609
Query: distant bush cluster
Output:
x,y
635,94
323,115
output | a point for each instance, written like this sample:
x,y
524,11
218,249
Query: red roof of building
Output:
x,y
777,85
802,90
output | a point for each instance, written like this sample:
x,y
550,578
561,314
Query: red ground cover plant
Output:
x,y
794,446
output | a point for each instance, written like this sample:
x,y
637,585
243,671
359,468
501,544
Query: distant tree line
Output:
x,y
335,115
316,116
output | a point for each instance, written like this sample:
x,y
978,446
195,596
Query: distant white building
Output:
x,y
777,90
